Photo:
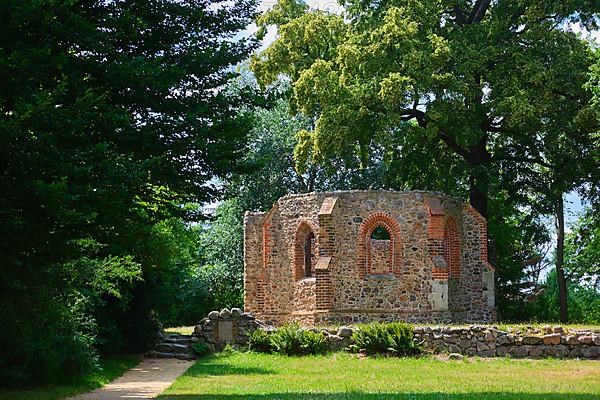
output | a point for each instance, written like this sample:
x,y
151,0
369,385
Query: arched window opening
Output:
x,y
380,251
379,245
309,246
452,248
305,252
380,233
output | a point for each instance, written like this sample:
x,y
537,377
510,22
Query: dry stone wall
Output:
x,y
419,275
226,327
492,342
489,341
234,327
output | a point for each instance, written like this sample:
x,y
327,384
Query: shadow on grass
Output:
x,y
209,366
385,396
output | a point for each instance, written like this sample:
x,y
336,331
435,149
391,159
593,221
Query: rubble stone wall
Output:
x,y
492,342
234,327
487,341
433,268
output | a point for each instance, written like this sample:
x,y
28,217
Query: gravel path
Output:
x,y
144,381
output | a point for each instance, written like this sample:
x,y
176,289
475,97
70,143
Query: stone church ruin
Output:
x,y
359,256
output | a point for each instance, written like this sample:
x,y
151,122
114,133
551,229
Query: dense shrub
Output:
x,y
59,349
294,340
202,348
379,338
260,341
97,157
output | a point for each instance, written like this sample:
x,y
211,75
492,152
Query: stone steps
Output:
x,y
158,354
173,346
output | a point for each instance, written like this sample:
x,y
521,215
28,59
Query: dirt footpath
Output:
x,y
144,381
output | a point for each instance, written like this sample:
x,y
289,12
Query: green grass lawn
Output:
x,y
345,376
112,368
180,330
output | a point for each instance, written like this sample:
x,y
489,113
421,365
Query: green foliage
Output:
x,y
496,101
270,163
260,341
113,118
520,252
385,338
212,279
464,77
201,348
582,250
584,302
293,340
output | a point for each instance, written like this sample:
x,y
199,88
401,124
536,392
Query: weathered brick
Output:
x,y
312,259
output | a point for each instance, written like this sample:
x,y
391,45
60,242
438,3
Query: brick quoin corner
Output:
x,y
361,256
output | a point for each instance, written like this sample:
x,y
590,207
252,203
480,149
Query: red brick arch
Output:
x,y
364,242
303,230
452,248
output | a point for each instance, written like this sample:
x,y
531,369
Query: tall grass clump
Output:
x,y
394,338
259,341
290,340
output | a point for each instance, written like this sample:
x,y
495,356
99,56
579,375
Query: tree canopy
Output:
x,y
113,120
488,80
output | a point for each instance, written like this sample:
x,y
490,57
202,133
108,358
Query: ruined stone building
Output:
x,y
358,256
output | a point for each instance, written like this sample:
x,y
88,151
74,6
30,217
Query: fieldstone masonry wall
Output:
x,y
492,342
234,327
433,267
489,341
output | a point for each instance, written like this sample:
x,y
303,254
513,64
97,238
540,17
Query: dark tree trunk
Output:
x,y
560,249
479,159
478,197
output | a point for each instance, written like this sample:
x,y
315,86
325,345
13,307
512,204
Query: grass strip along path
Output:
x,y
345,376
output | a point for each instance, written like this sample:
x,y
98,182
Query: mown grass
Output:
x,y
344,376
112,368
180,330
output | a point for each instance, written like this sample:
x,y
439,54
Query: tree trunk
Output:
x,y
560,250
477,197
478,158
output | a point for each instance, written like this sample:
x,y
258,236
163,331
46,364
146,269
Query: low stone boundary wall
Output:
x,y
234,327
486,341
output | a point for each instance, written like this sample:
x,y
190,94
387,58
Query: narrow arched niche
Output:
x,y
452,248
305,252
380,252
379,245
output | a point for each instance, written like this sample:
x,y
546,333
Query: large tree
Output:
x,y
481,78
112,117
567,153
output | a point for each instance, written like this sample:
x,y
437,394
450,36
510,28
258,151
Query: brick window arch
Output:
x,y
305,251
376,253
452,248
